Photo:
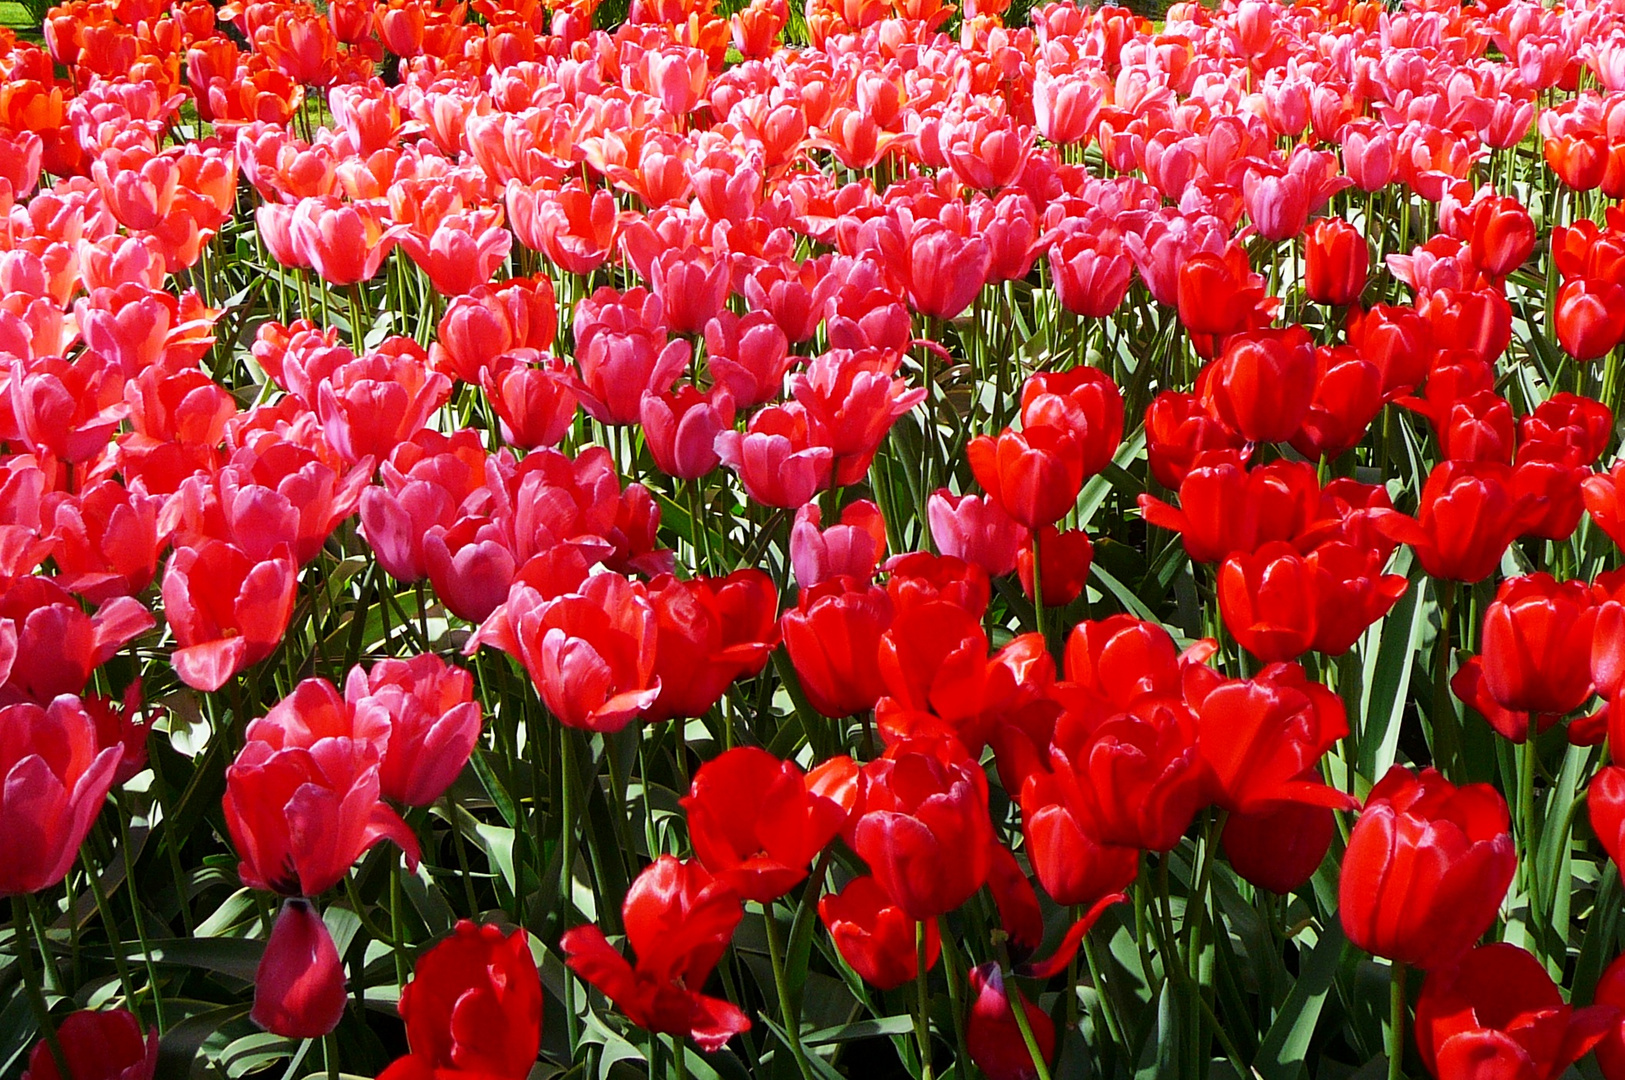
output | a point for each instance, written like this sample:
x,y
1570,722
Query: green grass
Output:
x,y
15,16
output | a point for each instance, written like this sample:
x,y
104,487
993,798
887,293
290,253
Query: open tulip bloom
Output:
x,y
943,538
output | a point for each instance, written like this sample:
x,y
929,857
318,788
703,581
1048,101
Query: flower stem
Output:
x,y
922,1015
1019,1010
1396,1024
788,1014
31,986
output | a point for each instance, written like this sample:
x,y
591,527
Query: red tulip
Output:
x,y
227,611
1264,383
924,830
919,578
301,814
1611,1048
590,654
1073,867
1033,475
1217,294
54,778
1179,430
678,921
1337,259
1349,393
1590,317
1225,507
832,636
1469,514
1267,599
473,1007
299,985
1503,235
1605,801
1602,502
1496,1012
532,396
1063,564
433,720
1426,869
58,645
1083,401
992,1036
1279,847
105,1044
1537,644
874,936
757,822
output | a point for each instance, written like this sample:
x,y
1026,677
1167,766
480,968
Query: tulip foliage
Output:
x,y
865,538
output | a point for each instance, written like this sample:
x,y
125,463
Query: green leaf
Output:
x,y
1285,1048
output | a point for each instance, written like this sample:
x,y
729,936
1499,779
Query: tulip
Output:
x,y
1225,507
532,396
1468,516
993,1037
1590,317
1611,1048
1279,847
924,830
1260,736
102,1044
1084,401
1033,475
680,427
1537,644
919,578
299,984
1348,396
227,611
300,816
780,458
874,936
58,645
678,921
973,528
1063,565
1179,429
1267,599
1218,293
851,548
433,719
1264,383
1073,867
473,1007
1426,869
1351,593
1605,801
1497,1012
1337,260
710,633
56,776
832,636
757,822
590,654
345,242
1503,235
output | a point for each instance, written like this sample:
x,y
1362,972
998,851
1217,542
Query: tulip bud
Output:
x,y
299,985
992,1035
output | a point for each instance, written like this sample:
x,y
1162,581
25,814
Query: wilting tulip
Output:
x,y
102,1044
757,822
434,723
993,1037
1497,1012
832,636
1427,867
678,921
54,778
299,985
874,936
473,1007
924,830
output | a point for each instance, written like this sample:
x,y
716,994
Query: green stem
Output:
x,y
330,1051
788,1013
1396,1022
1446,737
31,986
679,1054
955,976
922,1015
115,940
1018,1009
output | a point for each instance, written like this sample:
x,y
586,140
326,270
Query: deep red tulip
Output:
x,y
1063,565
757,822
1179,429
473,1007
1351,593
924,830
1264,383
1426,869
1590,317
1605,801
434,723
299,985
874,936
1469,514
1496,1012
1337,259
1073,867
103,1044
1398,341
1279,847
1503,235
1218,293
1082,400
832,636
1536,644
54,779
678,921
1348,395
934,658
992,1036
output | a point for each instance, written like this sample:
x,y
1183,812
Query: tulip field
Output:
x,y
587,539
